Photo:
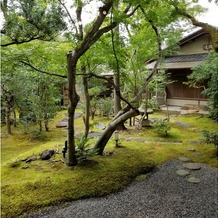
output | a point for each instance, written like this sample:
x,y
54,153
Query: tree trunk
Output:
x,y
112,126
87,103
40,125
15,118
46,124
125,113
92,114
73,100
8,118
117,101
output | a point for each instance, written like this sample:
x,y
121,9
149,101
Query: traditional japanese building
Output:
x,y
193,49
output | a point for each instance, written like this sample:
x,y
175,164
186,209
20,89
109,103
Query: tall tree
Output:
x,y
159,15
115,36
91,37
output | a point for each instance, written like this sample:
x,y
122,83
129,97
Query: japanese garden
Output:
x,y
108,109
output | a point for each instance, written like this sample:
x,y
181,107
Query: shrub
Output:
x,y
39,135
211,138
152,103
105,106
161,127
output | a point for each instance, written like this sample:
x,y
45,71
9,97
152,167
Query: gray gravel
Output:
x,y
163,194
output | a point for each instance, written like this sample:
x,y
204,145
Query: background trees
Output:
x,y
144,27
207,72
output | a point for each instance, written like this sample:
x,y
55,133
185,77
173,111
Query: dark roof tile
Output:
x,y
186,58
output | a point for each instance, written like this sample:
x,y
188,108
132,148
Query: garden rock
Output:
x,y
198,154
185,112
100,126
182,124
47,154
192,166
194,142
78,115
90,135
184,159
182,172
64,121
30,159
190,149
194,180
62,124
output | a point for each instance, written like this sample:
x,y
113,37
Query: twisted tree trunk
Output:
x,y
112,126
73,100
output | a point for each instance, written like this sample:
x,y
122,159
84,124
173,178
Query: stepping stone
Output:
x,y
192,166
201,141
186,125
194,180
190,149
78,115
64,119
94,134
182,172
198,154
194,142
100,126
90,135
62,124
184,159
25,167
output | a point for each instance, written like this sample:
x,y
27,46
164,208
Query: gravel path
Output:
x,y
163,194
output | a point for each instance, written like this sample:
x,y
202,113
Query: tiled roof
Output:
x,y
186,58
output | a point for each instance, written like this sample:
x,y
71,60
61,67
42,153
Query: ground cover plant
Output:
x,y
31,186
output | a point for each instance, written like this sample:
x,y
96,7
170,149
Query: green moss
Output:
x,y
141,177
46,183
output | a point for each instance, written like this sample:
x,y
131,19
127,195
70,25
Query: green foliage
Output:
x,y
25,189
161,127
211,137
105,106
152,103
39,135
207,71
28,20
82,148
38,98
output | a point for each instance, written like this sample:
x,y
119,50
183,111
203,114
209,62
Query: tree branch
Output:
x,y
114,86
150,76
41,71
15,42
207,27
70,17
95,33
79,21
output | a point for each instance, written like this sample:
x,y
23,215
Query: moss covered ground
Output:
x,y
46,183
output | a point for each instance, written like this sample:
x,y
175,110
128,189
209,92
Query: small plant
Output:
x,y
39,135
161,127
82,150
105,106
211,138
152,103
